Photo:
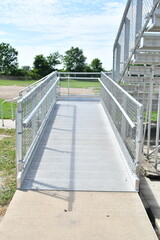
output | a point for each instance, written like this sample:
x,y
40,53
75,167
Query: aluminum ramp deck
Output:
x,y
78,151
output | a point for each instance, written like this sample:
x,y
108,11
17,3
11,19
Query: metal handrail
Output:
x,y
85,78
31,86
82,73
39,104
125,92
132,124
33,110
126,116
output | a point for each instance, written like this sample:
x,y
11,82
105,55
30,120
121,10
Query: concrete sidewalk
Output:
x,y
8,123
76,215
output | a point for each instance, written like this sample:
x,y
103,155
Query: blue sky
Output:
x,y
44,26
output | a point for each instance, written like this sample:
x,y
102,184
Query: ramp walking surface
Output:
x,y
78,151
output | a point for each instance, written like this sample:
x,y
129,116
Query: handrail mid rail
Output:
x,y
33,111
126,117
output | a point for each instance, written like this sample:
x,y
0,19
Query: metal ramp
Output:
x,y
79,151
87,145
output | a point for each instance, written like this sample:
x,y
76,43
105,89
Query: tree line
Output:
x,y
73,61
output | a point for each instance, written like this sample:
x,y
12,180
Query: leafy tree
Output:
x,y
96,65
53,60
26,68
23,71
45,65
74,60
8,59
88,68
19,72
33,74
40,64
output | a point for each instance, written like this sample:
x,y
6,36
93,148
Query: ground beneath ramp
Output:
x,y
9,92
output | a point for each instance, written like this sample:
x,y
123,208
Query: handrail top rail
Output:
x,y
82,73
34,84
93,78
41,82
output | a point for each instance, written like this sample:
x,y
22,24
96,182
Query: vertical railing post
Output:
x,y
157,132
126,39
123,121
68,83
150,111
118,57
139,136
19,138
58,91
138,18
114,65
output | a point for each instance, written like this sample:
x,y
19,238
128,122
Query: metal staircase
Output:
x,y
147,55
137,66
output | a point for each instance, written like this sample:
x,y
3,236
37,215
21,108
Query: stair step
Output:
x,y
143,70
136,79
138,87
155,26
156,17
150,40
147,57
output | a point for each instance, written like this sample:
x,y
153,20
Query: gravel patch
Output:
x,y
8,92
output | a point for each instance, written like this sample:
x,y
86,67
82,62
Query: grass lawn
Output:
x,y
16,82
7,165
79,83
7,109
154,116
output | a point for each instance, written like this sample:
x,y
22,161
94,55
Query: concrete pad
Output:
x,y
150,189
8,123
57,215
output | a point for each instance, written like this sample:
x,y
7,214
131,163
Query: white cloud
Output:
x,y
52,25
3,33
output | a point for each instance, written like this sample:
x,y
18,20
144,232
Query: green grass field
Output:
x,y
154,116
7,109
63,83
7,105
16,82
7,165
79,83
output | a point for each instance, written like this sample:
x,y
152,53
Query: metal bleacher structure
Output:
x,y
137,66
